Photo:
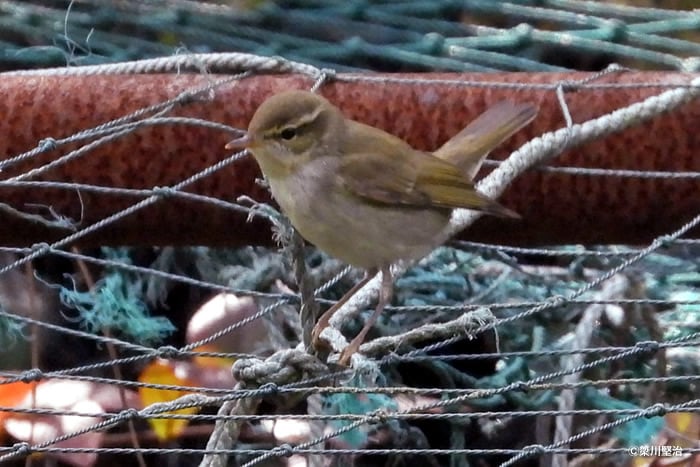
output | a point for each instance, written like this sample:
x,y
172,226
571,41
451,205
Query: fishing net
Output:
x,y
155,307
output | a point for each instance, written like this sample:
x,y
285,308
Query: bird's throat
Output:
x,y
274,166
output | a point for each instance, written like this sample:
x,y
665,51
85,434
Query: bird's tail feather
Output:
x,y
468,148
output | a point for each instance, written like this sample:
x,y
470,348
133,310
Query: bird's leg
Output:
x,y
385,293
325,318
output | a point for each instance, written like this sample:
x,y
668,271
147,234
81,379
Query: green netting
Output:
x,y
468,35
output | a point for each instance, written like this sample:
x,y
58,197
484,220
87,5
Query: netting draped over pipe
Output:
x,y
560,203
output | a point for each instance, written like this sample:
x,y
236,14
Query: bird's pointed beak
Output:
x,y
241,143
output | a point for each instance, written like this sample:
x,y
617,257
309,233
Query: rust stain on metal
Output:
x,y
556,208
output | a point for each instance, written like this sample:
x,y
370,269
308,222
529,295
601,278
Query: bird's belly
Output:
x,y
364,235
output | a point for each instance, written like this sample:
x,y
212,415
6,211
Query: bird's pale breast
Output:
x,y
352,229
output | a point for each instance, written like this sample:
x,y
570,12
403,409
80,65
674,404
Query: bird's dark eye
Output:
x,y
288,133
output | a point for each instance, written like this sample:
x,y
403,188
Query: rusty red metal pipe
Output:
x,y
557,208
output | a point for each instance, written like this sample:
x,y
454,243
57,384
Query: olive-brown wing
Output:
x,y
412,178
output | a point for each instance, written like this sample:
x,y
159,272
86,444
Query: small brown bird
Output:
x,y
363,195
